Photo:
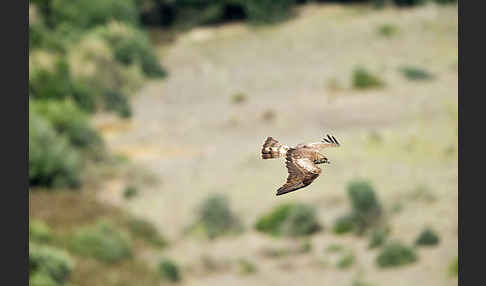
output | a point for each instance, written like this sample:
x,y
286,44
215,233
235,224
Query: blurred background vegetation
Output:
x,y
129,99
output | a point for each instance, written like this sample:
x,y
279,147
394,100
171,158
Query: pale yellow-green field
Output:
x,y
187,133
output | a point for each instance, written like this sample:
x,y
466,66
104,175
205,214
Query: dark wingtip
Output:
x,y
335,140
329,137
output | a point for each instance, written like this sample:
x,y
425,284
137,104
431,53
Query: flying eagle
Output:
x,y
301,161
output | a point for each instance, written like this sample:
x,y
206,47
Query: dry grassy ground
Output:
x,y
403,138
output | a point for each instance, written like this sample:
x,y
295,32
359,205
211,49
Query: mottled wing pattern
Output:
x,y
302,171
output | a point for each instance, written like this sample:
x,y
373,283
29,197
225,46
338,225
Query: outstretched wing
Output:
x,y
302,171
330,141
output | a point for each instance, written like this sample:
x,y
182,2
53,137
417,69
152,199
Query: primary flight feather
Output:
x,y
301,161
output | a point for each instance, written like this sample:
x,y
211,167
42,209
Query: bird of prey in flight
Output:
x,y
301,161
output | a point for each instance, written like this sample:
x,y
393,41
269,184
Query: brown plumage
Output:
x,y
301,161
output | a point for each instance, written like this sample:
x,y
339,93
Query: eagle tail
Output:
x,y
273,149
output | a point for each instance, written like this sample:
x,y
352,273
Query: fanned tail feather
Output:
x,y
273,149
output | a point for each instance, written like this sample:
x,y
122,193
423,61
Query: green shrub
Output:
x,y
68,119
146,231
39,231
453,267
362,79
132,46
334,248
57,83
268,11
216,217
130,192
195,12
102,241
302,221
53,162
189,13
116,101
51,262
395,254
51,84
387,30
289,220
93,64
239,98
133,50
90,13
41,279
366,210
427,237
344,224
305,247
346,261
378,237
379,4
246,267
40,37
169,271
416,74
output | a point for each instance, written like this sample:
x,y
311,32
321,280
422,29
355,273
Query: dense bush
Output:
x,y
84,55
53,162
378,237
414,73
395,254
268,11
48,265
56,82
41,279
118,102
239,98
301,221
363,79
68,119
366,210
90,13
427,237
130,51
246,267
94,65
387,30
40,37
188,13
130,192
102,241
289,220
147,231
169,271
131,46
52,83
216,217
453,267
39,231
344,224
346,261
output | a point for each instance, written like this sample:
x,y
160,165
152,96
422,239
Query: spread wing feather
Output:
x,y
330,141
302,171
